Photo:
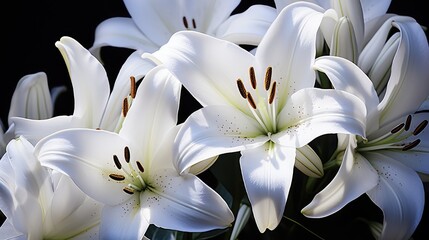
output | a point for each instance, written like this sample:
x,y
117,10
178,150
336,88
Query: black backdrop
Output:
x,y
30,29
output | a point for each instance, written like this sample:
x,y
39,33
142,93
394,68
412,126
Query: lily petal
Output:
x,y
346,76
89,79
267,178
408,69
199,62
399,194
72,153
29,185
223,128
131,223
72,211
312,112
197,209
248,27
134,66
90,88
295,48
34,130
154,111
7,231
374,8
355,177
120,32
207,15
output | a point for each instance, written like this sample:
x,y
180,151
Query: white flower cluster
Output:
x,y
329,105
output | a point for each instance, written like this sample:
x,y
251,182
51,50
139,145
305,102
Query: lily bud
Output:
x,y
31,98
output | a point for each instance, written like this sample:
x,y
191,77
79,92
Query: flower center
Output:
x,y
400,137
132,176
186,23
263,108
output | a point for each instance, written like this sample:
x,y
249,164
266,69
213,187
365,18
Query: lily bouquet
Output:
x,y
307,111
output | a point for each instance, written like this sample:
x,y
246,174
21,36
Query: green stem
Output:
x,y
308,230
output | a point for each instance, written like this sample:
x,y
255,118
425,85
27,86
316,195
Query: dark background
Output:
x,y
31,28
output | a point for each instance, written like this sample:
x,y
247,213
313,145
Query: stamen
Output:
x,y
272,93
252,77
185,22
267,81
140,166
133,87
408,123
97,128
420,127
117,177
128,190
127,154
117,163
241,88
125,107
194,24
250,100
411,145
397,128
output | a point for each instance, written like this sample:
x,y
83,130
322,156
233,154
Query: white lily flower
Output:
x,y
94,105
132,171
264,105
152,23
40,203
385,165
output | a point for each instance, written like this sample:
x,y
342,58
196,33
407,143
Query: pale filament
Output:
x,y
396,138
264,113
130,176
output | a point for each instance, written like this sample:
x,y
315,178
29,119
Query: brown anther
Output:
x,y
194,24
125,107
185,22
117,177
420,127
98,128
128,190
241,88
140,166
117,163
250,100
407,123
397,128
267,80
127,154
252,77
411,145
272,93
133,89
